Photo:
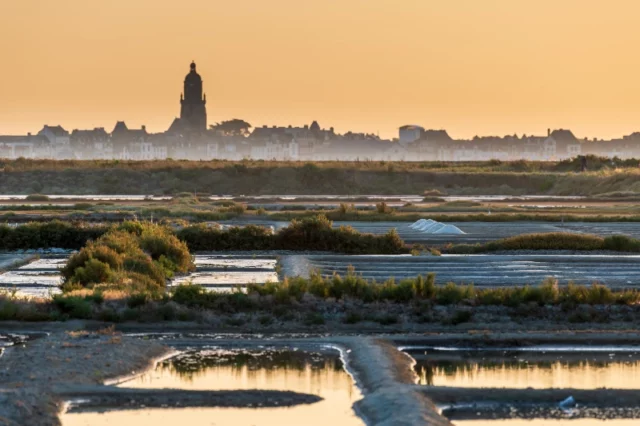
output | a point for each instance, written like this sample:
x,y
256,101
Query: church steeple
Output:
x,y
193,113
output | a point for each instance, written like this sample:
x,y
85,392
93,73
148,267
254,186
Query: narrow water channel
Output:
x,y
536,368
221,369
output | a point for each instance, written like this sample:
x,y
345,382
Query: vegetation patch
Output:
x,y
37,197
552,241
67,235
280,177
133,255
315,233
342,300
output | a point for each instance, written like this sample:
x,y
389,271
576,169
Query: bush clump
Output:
x,y
37,197
56,234
134,256
314,233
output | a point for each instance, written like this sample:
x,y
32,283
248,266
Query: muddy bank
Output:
x,y
28,373
523,339
406,332
449,396
477,412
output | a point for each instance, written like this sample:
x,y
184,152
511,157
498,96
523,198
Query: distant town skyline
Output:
x,y
472,67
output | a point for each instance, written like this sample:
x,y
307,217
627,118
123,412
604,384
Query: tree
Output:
x,y
234,127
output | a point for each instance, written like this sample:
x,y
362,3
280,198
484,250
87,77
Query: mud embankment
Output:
x,y
37,380
29,373
386,379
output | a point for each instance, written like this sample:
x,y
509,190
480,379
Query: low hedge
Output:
x,y
552,241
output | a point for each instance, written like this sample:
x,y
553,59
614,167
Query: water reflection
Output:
x,y
215,369
520,370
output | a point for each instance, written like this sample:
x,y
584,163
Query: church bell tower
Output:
x,y
193,111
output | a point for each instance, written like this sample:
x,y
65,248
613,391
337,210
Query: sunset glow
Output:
x,y
468,66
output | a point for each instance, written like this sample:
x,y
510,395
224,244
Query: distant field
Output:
x,y
340,178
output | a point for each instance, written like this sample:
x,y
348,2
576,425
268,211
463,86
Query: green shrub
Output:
x,y
167,312
461,316
387,319
600,295
551,241
426,289
46,235
82,206
314,318
236,321
37,197
241,302
452,294
193,296
137,300
93,272
353,318
73,306
265,320
383,208
8,310
134,255
621,243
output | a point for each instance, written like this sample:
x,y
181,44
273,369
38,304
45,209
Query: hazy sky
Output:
x,y
468,66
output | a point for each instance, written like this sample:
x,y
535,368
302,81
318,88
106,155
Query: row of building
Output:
x,y
304,143
188,137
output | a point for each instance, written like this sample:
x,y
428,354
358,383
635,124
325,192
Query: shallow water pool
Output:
x,y
517,369
220,369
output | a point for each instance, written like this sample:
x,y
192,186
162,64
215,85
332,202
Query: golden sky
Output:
x,y
468,66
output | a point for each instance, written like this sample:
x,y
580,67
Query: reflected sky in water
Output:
x,y
314,373
580,371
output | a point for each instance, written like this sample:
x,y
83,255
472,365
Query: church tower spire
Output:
x,y
193,111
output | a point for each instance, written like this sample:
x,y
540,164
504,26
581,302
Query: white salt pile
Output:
x,y
420,223
432,227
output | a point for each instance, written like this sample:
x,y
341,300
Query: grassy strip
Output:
x,y
353,286
551,241
315,233
298,298
595,163
347,178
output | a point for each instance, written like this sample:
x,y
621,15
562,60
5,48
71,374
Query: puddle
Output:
x,y
217,278
7,340
36,278
12,339
233,262
45,264
221,369
537,369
